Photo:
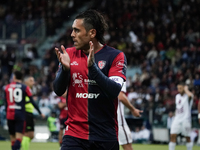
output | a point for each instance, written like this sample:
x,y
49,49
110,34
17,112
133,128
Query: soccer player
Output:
x,y
182,119
62,117
29,108
93,73
15,94
199,111
124,135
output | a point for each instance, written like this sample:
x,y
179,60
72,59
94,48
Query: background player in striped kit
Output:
x,y
62,105
124,135
29,108
93,73
182,120
15,94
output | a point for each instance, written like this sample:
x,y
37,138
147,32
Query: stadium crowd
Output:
x,y
159,38
54,12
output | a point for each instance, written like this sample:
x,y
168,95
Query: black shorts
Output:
x,y
62,123
29,122
16,126
73,143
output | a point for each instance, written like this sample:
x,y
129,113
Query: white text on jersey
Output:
x,y
87,95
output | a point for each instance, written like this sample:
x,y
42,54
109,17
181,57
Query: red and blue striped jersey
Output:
x,y
15,94
92,114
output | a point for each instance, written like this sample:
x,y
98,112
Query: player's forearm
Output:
x,y
189,93
109,86
35,105
61,81
123,98
62,105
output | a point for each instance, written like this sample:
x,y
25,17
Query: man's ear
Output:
x,y
92,33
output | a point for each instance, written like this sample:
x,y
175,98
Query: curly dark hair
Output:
x,y
92,19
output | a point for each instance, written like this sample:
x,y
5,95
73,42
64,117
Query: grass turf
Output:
x,y
55,146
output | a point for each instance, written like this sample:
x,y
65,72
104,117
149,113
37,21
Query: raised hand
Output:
x,y
90,60
185,88
63,58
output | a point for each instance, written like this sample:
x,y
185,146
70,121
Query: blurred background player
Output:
x,y
29,108
182,120
53,125
62,105
15,94
124,135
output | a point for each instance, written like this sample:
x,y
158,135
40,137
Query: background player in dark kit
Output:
x,y
15,94
93,73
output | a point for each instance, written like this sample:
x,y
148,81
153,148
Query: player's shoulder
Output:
x,y
22,86
112,50
178,95
113,54
71,50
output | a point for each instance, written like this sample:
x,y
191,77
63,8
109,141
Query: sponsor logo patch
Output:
x,y
77,79
74,63
121,64
101,64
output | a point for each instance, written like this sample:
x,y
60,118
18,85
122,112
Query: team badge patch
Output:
x,y
101,64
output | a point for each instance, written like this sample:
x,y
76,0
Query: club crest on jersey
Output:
x,y
101,64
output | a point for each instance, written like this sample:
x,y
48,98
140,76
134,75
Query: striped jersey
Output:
x,y
92,114
15,94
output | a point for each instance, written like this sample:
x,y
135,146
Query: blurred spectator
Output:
x,y
132,95
140,135
145,134
44,105
136,136
152,54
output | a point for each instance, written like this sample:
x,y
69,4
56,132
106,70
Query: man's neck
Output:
x,y
182,93
97,47
17,80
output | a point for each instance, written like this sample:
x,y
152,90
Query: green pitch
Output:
x,y
55,146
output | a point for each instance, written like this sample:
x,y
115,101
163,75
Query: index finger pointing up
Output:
x,y
63,49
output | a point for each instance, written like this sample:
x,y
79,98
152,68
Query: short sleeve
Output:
x,y
124,87
118,67
28,91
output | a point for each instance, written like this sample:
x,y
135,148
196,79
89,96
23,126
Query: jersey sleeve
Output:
x,y
124,87
118,67
28,91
